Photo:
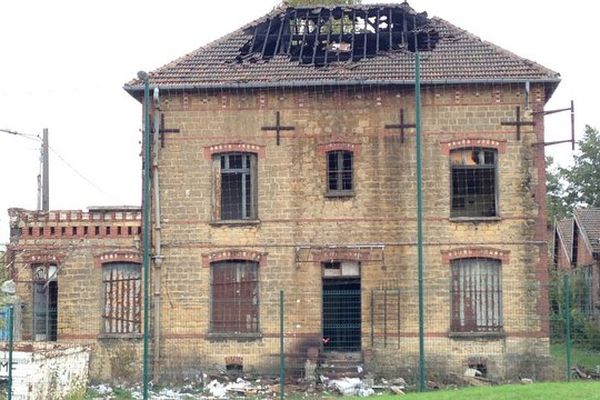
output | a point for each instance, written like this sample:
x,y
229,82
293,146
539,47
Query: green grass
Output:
x,y
538,391
586,358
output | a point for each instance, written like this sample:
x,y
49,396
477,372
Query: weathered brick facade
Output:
x,y
299,226
78,243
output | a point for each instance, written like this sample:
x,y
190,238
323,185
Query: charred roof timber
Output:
x,y
320,36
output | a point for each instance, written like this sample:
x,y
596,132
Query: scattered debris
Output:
x,y
525,381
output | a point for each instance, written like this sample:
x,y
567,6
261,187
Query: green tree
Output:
x,y
583,178
297,3
555,193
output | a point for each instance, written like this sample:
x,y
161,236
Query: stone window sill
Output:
x,y
236,222
237,336
474,219
477,335
340,194
120,336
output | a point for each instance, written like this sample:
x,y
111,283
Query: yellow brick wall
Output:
x,y
295,215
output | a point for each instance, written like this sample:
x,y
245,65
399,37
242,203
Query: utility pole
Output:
x,y
45,172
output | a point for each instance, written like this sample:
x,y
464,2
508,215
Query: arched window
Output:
x,y
234,294
122,291
236,186
476,295
474,183
339,173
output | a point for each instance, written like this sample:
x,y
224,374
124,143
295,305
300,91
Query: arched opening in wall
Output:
x,y
45,302
341,306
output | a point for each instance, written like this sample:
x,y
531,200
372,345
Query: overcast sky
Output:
x,y
63,65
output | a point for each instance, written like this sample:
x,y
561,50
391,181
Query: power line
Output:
x,y
77,172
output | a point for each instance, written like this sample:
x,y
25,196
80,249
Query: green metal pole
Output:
x,y
567,291
10,349
422,386
146,231
281,349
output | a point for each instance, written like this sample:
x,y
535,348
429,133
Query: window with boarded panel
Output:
x,y
122,284
474,183
234,288
476,295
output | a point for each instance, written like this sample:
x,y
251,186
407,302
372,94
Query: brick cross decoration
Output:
x,y
400,126
278,127
162,130
518,123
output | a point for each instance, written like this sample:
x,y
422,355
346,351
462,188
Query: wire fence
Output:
x,y
351,335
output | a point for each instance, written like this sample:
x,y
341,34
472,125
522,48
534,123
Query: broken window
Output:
x,y
45,302
237,186
339,173
474,186
234,288
476,295
122,284
319,36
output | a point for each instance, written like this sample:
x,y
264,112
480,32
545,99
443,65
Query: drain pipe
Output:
x,y
158,258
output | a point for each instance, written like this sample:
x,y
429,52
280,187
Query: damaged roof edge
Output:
x,y
135,90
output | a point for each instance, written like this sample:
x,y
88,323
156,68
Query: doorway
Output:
x,y
341,307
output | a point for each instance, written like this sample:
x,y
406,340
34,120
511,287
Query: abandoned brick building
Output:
x,y
576,246
283,158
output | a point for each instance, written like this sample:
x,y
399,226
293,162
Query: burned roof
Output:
x,y
589,221
332,45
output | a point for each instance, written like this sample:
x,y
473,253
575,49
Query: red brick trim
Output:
x,y
323,255
447,146
258,149
117,256
45,258
475,252
233,254
340,145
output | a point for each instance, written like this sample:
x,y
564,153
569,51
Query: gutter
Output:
x,y
132,89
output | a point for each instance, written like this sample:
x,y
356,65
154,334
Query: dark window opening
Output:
x,y
41,231
129,231
63,231
479,366
122,285
74,231
52,230
474,186
476,295
119,230
238,187
234,293
96,230
319,36
85,230
45,302
575,250
30,231
339,172
234,369
108,230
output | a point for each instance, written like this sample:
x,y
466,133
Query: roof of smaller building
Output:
x,y
589,221
333,45
564,229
